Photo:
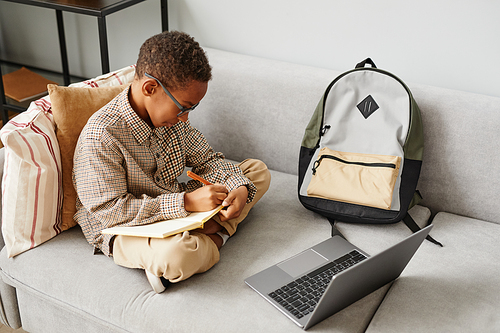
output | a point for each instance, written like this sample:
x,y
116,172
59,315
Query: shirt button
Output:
x,y
157,178
157,155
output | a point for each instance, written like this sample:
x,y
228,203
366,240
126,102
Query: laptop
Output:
x,y
329,276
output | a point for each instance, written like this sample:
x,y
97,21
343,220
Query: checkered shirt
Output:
x,y
125,173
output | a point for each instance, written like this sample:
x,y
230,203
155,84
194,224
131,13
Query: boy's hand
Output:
x,y
235,202
205,198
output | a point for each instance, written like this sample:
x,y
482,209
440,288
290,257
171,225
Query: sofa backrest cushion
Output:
x,y
259,108
461,163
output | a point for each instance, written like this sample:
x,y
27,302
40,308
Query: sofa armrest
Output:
x,y
9,311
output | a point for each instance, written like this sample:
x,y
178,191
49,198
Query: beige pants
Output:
x,y
180,256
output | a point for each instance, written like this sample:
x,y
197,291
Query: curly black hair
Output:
x,y
175,59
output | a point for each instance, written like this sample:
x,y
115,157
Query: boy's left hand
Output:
x,y
235,202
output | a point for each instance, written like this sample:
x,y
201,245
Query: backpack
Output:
x,y
361,153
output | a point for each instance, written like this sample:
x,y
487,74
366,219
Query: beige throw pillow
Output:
x,y
71,108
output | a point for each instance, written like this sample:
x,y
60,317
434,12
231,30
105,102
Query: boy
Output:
x,y
129,156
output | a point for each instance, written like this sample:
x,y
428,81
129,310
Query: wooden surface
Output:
x,y
87,7
5,329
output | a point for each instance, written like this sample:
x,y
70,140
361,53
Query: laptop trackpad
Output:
x,y
302,263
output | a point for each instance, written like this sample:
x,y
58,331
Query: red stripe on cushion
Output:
x,y
118,78
37,187
20,125
91,83
36,129
43,104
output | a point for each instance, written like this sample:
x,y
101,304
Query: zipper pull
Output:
x,y
324,130
316,165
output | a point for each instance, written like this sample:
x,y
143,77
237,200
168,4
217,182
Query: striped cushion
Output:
x,y
31,185
117,78
32,192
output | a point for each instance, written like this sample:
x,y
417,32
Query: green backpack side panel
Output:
x,y
311,135
414,145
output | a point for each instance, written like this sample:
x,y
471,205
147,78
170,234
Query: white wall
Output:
x,y
447,43
28,35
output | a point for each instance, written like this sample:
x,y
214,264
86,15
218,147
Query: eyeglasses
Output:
x,y
183,109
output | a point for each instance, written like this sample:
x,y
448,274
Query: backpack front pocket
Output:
x,y
363,179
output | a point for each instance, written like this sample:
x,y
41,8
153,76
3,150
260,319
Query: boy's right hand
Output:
x,y
205,198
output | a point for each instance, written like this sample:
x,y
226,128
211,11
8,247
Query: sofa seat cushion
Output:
x,y
92,288
456,287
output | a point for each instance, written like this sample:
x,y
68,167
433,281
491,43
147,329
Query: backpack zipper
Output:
x,y
372,165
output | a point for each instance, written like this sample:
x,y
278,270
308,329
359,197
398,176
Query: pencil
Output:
x,y
196,177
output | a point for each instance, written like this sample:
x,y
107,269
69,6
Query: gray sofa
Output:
x,y
259,108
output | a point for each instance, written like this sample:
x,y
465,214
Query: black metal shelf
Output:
x,y
18,107
97,8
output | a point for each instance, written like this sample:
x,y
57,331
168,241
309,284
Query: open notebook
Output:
x,y
166,228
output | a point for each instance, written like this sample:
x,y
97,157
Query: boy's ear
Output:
x,y
149,86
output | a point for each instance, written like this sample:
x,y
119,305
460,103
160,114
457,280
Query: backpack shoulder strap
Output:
x,y
408,220
335,231
413,226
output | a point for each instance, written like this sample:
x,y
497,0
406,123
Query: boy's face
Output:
x,y
162,110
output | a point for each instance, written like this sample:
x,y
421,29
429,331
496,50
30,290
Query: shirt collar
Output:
x,y
139,128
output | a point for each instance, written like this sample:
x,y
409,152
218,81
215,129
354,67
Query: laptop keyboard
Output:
x,y
300,297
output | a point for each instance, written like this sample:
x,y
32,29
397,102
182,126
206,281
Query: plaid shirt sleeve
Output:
x,y
211,165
